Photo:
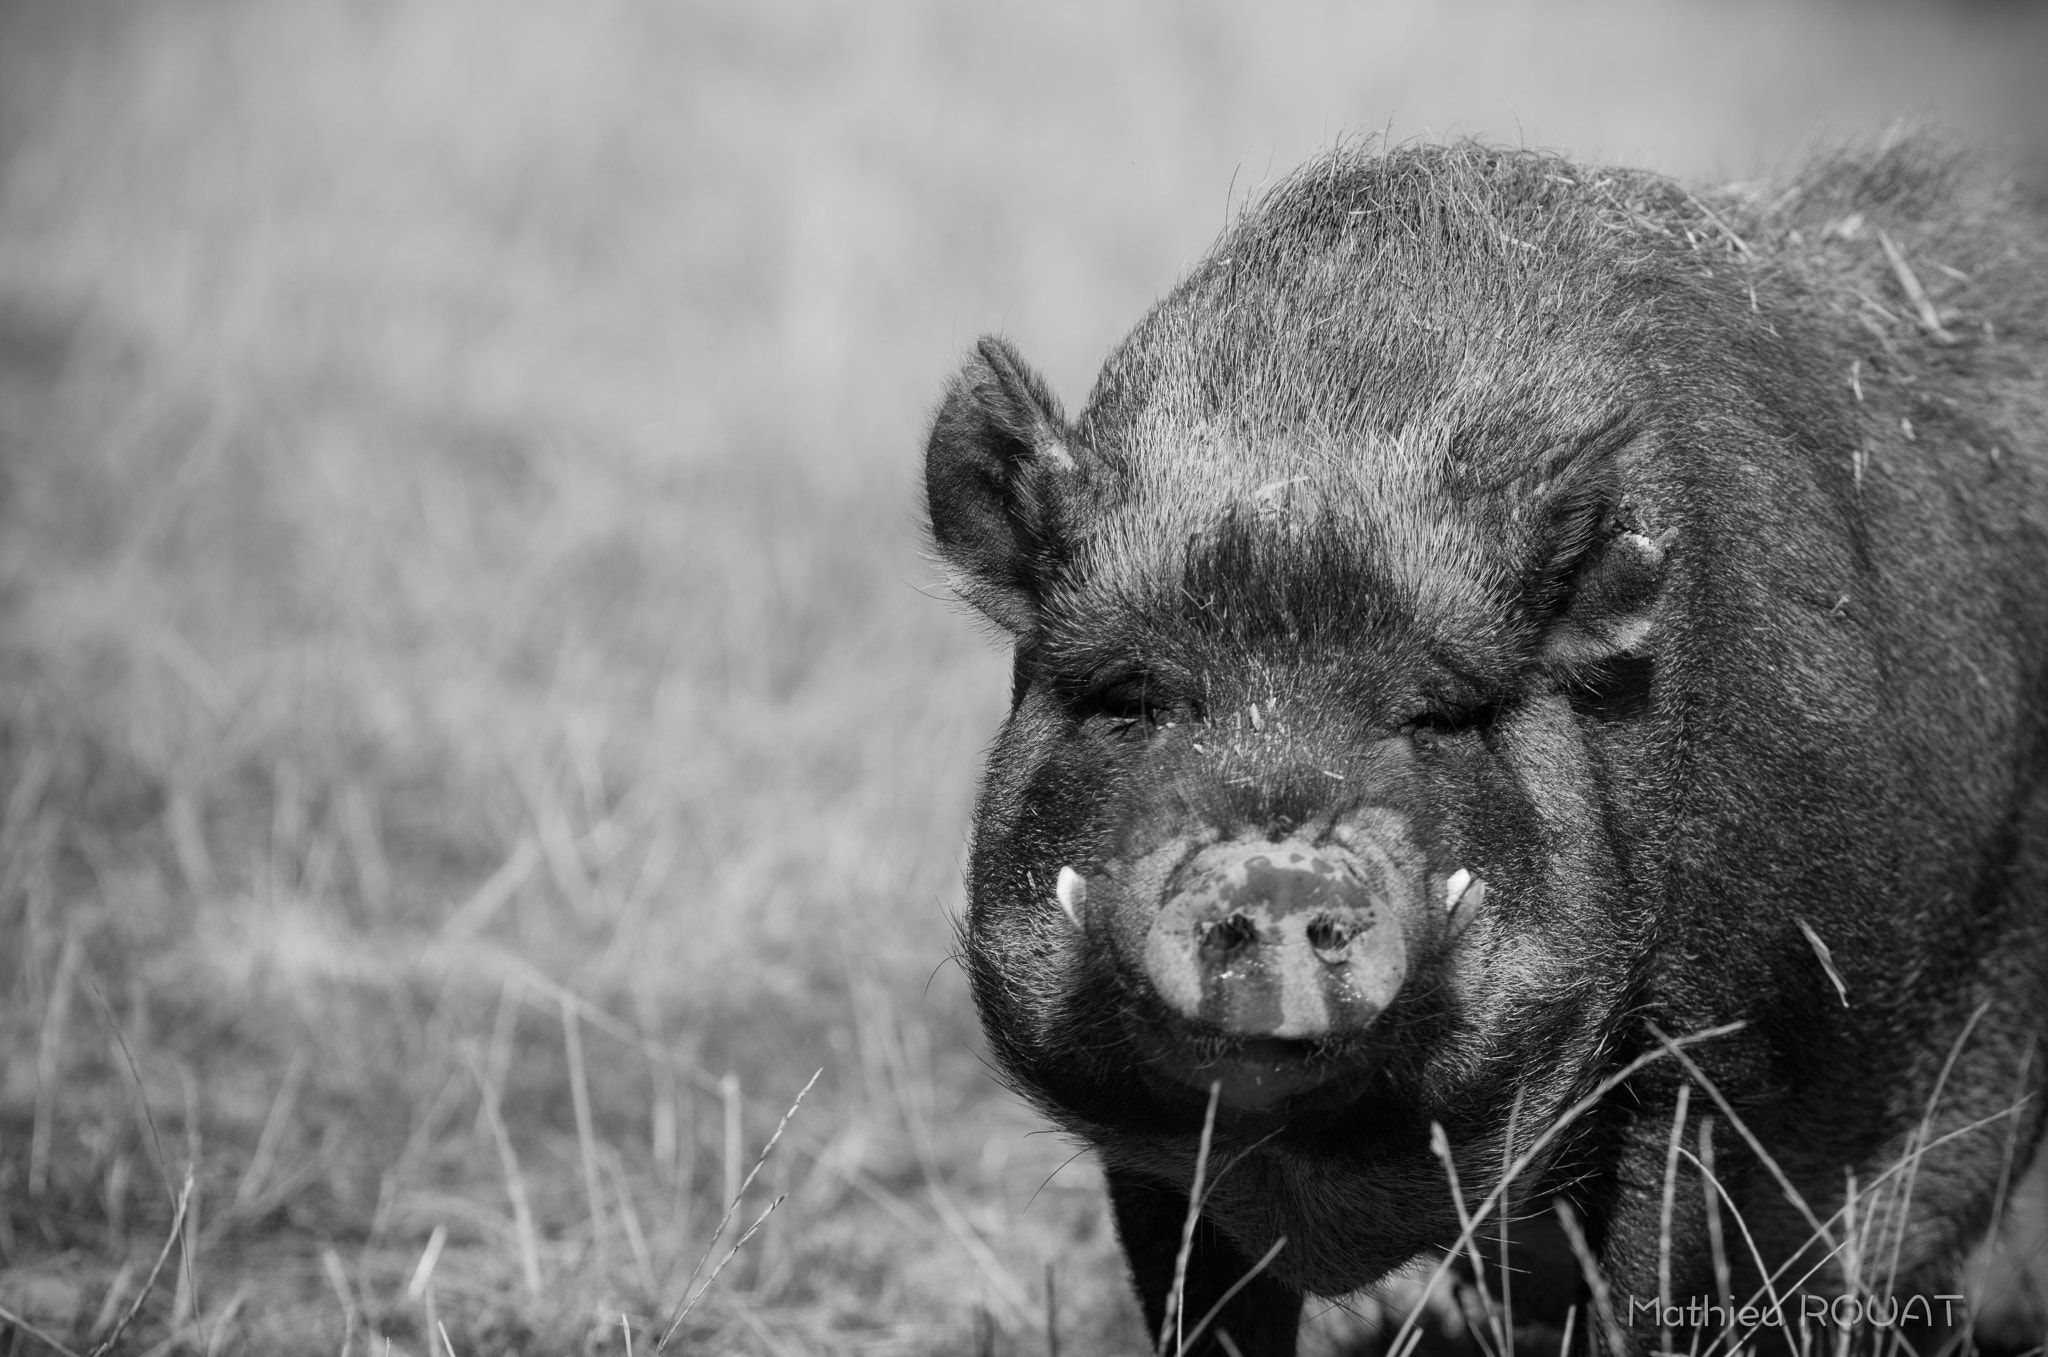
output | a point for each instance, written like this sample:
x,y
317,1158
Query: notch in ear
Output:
x,y
1002,482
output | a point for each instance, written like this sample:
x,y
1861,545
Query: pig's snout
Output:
x,y
1283,941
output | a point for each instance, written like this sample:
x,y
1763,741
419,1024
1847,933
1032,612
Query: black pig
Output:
x,y
1495,618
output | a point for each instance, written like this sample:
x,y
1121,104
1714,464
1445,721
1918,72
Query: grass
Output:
x,y
1851,1258
475,733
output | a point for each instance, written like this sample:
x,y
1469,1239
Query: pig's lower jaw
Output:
x,y
1262,1078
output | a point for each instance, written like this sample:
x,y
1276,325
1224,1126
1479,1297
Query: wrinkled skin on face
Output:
x,y
1466,635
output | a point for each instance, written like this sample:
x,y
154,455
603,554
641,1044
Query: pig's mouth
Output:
x,y
1259,1077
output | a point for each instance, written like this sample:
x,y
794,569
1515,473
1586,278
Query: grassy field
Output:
x,y
476,728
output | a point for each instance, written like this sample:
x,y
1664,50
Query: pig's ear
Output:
x,y
1000,480
1608,607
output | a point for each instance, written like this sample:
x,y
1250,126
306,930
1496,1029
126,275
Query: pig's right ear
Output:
x,y
1001,482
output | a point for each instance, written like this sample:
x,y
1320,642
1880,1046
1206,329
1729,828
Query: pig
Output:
x,y
1530,681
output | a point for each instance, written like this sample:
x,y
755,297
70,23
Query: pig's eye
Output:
x,y
1128,700
1437,726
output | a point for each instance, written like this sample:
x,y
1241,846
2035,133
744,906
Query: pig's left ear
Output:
x,y
1609,604
1001,482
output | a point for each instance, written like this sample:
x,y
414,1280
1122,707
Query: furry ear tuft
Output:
x,y
1002,477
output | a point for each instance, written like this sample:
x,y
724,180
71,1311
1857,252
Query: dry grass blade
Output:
x,y
176,1232
735,1150
1717,1245
470,917
110,1303
1921,1132
1440,1146
182,1198
636,1238
186,1305
1170,1320
1664,1212
337,1281
1852,1235
423,1273
2012,1144
421,1289
1052,1315
20,1325
676,1320
251,1185
1827,959
163,1166
515,1181
49,1052
223,1335
683,1312
1209,1316
1792,1194
1596,1282
498,1054
1409,1332
586,1134
1507,1172
1909,283
1711,215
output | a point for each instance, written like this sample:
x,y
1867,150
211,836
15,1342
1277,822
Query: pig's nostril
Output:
x,y
1330,939
1227,935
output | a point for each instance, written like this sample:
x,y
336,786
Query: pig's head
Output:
x,y
1319,744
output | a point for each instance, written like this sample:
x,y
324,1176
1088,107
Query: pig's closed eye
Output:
x,y
1435,726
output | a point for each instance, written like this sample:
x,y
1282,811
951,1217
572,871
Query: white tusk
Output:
x,y
1455,886
1072,891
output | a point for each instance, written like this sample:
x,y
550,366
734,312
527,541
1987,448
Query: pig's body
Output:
x,y
1493,612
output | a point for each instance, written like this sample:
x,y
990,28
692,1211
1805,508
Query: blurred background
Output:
x,y
477,729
